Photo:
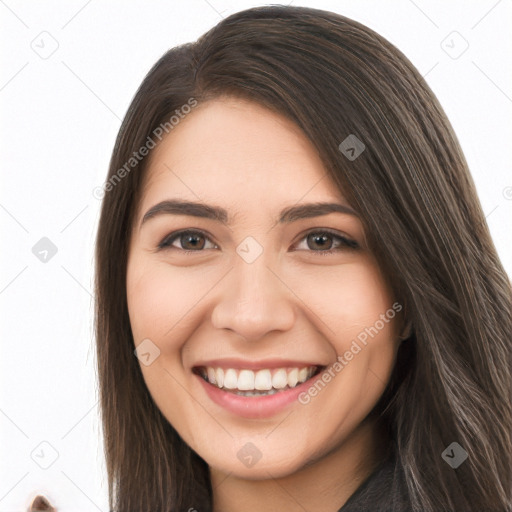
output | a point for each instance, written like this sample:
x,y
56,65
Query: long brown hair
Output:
x,y
411,185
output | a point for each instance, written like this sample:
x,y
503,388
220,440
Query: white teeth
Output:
x,y
293,377
279,380
246,380
303,374
219,376
211,375
262,380
230,379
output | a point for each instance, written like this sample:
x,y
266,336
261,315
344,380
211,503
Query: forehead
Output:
x,y
239,153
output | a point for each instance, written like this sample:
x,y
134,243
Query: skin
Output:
x,y
291,302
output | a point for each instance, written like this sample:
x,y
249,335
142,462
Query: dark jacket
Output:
x,y
383,491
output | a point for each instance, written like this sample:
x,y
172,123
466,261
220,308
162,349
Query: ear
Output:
x,y
406,331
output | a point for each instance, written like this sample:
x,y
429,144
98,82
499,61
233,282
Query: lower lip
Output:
x,y
254,407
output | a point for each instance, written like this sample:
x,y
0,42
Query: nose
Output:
x,y
253,301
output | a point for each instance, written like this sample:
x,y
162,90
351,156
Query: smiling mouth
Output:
x,y
262,382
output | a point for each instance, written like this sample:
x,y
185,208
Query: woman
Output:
x,y
292,247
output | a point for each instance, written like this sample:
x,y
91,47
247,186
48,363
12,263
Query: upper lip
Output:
x,y
238,363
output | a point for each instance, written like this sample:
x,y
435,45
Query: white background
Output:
x,y
60,116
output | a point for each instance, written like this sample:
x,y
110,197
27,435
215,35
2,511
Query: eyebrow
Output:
x,y
287,215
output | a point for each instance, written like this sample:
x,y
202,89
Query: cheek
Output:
x,y
351,298
360,322
357,307
160,301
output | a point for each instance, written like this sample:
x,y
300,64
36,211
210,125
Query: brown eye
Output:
x,y
327,242
320,241
190,241
324,242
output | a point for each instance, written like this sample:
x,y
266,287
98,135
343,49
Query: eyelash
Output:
x,y
346,243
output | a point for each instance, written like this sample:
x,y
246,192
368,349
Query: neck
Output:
x,y
325,481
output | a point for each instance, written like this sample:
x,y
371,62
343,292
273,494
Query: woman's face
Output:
x,y
255,293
